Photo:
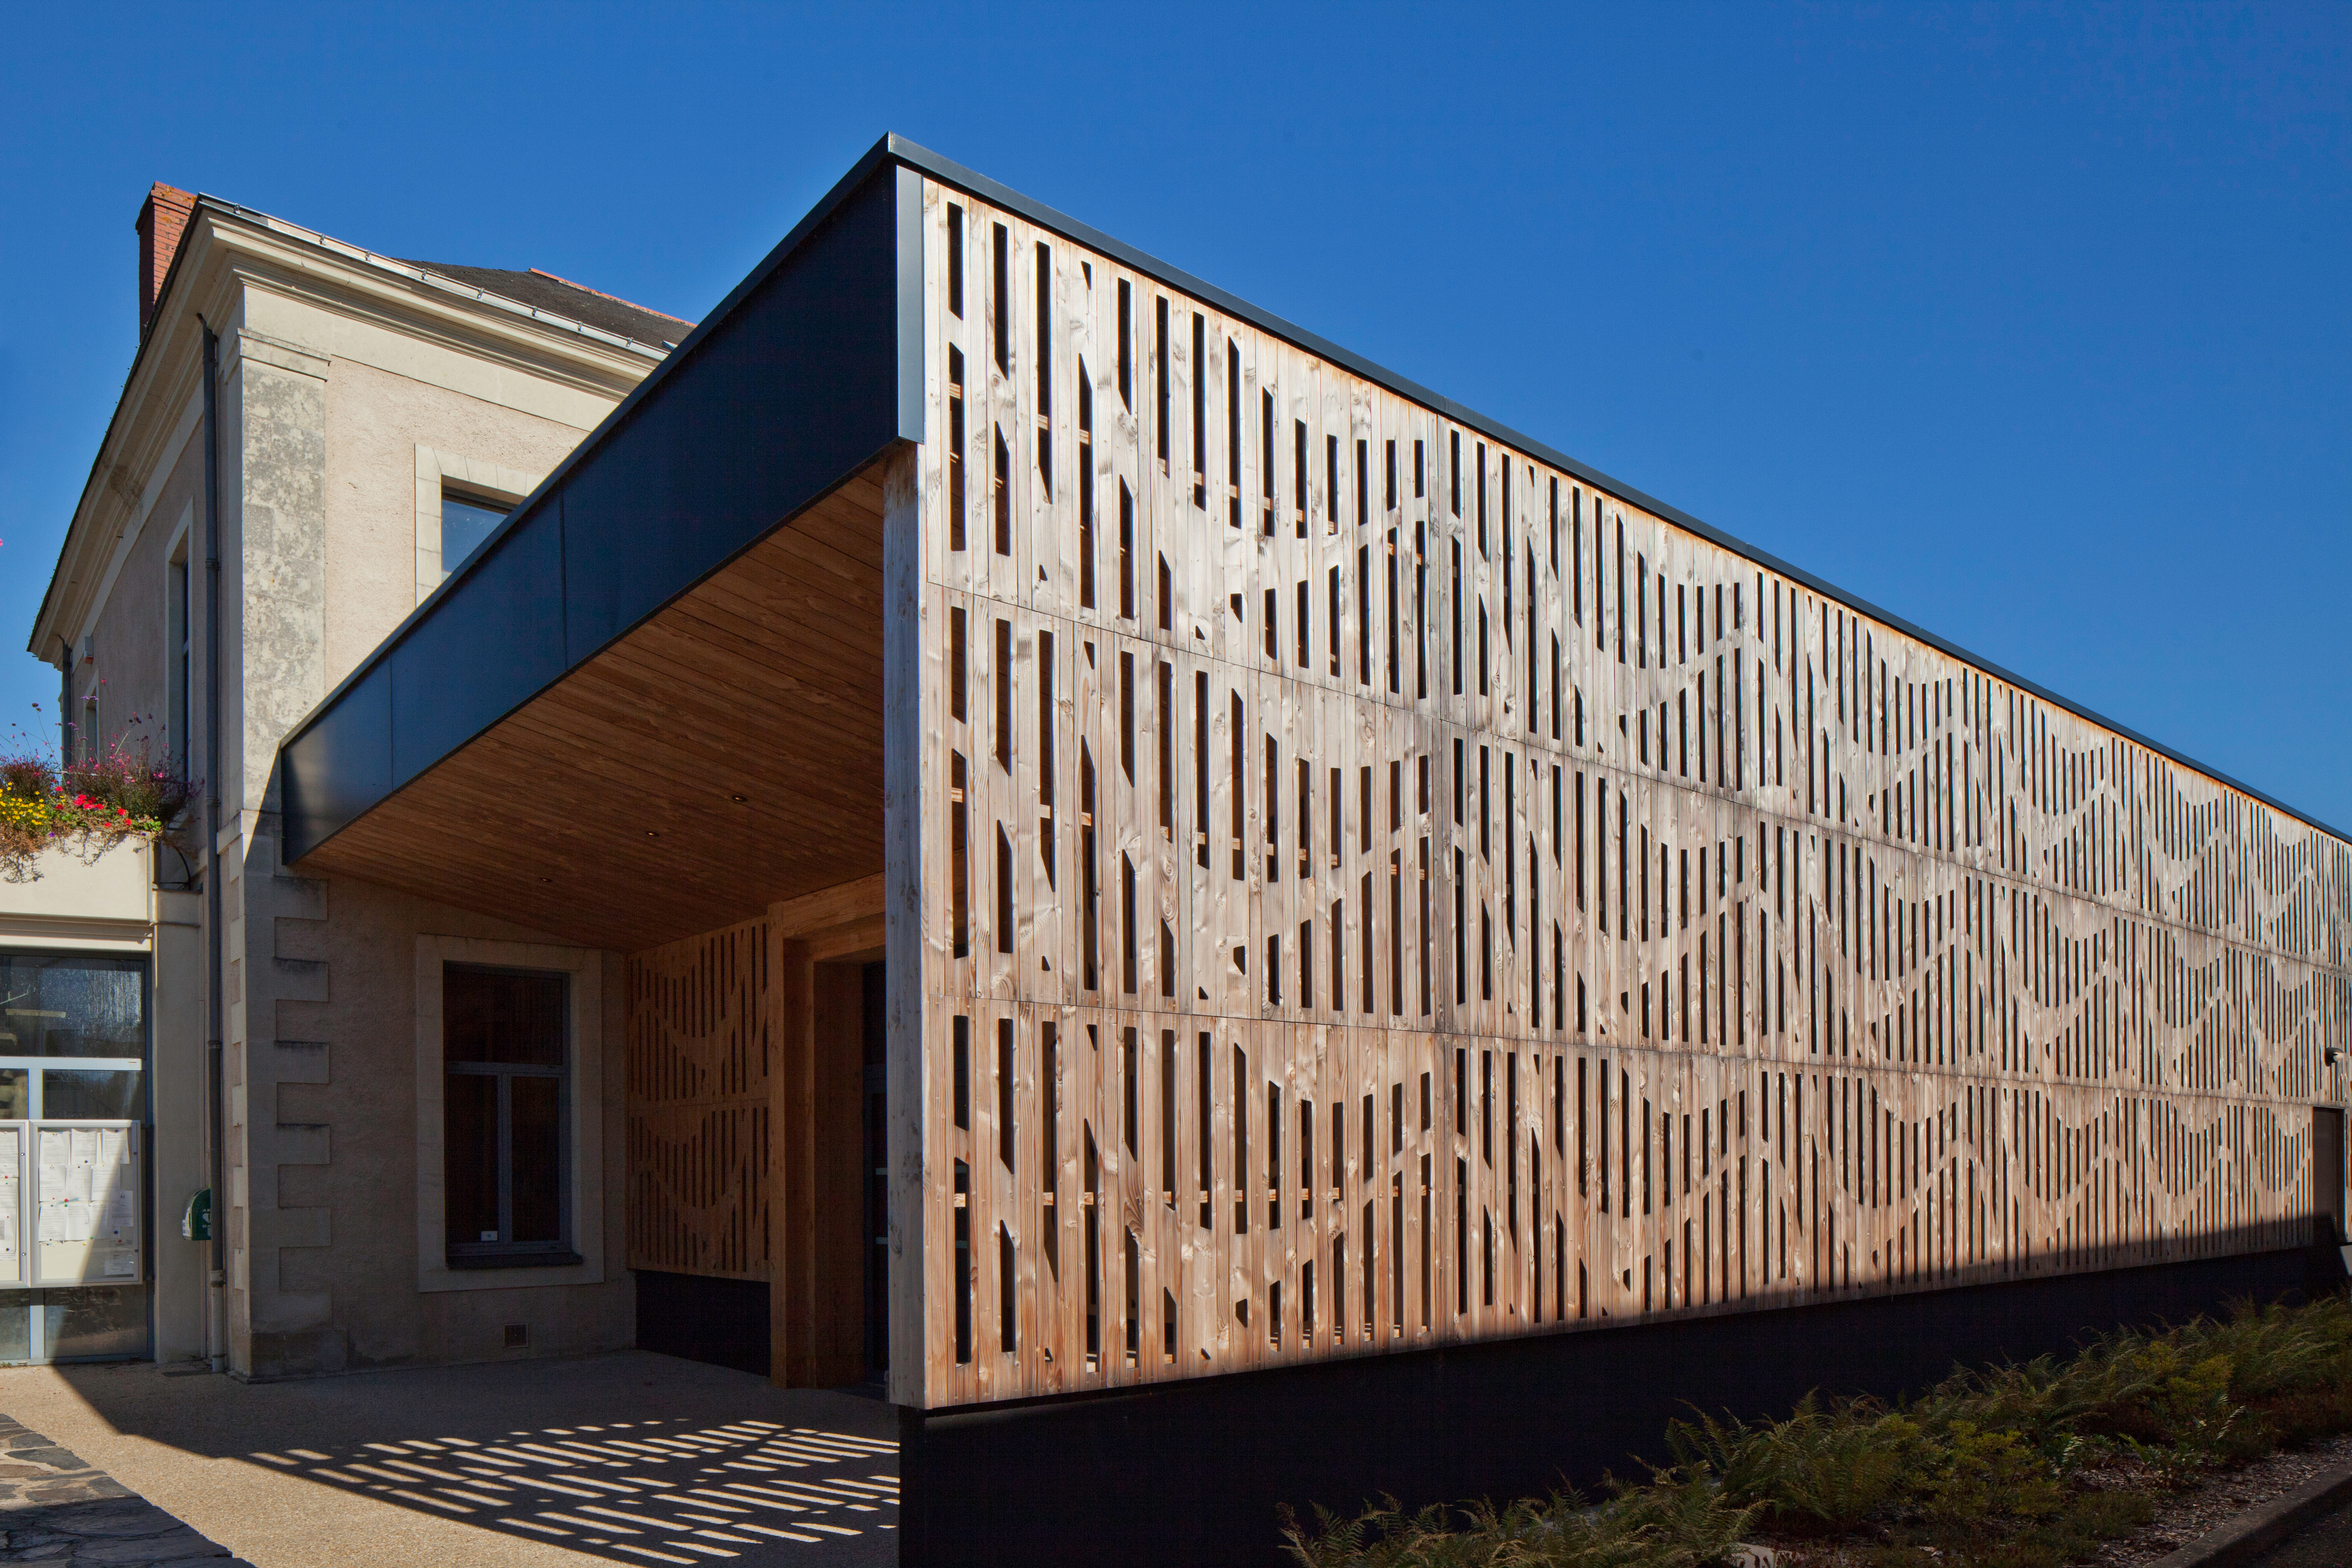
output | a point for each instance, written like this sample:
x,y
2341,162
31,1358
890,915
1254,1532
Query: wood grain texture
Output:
x,y
701,1057
1362,912
723,756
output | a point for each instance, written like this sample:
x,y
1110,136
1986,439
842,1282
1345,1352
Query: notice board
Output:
x,y
85,1194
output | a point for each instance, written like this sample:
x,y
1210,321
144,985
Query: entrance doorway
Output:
x,y
758,1130
75,1256
877,1166
2327,1175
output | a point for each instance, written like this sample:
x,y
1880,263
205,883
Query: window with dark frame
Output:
x,y
467,523
506,1098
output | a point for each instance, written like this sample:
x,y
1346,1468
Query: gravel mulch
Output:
x,y
2187,1516
2181,1516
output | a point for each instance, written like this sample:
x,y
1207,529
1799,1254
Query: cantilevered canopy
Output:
x,y
651,704
724,754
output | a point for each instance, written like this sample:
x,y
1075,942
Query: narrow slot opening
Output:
x,y
1091,930
956,486
1127,924
962,1095
963,1260
1044,286
1126,551
1004,891
1126,345
1000,301
1002,494
959,872
1160,356
1085,489
1008,1297
1007,1151
1200,410
955,260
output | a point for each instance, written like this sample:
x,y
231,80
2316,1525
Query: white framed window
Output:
x,y
509,1114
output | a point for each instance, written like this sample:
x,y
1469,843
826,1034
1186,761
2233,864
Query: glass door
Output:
x,y
74,1130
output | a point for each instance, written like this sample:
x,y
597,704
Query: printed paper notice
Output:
x,y
122,1264
79,1219
118,1220
11,1191
111,1144
84,1163
51,1183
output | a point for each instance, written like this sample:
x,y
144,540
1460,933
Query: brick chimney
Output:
x,y
160,222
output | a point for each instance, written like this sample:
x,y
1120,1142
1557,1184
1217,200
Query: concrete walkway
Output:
x,y
629,1458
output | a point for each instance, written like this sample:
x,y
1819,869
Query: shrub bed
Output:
x,y
2025,1466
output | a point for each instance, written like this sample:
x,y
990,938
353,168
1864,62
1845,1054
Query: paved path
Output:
x,y
591,1462
55,1509
2326,1543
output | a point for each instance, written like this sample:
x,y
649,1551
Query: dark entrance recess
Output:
x,y
2327,1175
876,1167
699,1318
732,1322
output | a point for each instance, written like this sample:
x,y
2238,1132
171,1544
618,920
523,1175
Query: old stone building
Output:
x,y
336,429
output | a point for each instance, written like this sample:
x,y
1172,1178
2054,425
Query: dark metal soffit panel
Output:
x,y
953,174
793,384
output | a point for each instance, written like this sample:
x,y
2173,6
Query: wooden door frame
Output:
x,y
816,1319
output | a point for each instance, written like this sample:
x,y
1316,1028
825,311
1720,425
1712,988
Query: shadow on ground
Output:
x,y
629,1458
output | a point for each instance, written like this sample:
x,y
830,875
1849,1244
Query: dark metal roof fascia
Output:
x,y
953,174
874,159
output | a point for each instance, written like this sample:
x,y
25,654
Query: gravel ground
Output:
x,y
2181,1517
2184,1517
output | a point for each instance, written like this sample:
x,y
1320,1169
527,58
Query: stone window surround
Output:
x,y
433,467
585,1006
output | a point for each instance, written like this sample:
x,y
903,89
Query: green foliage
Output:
x,y
1824,1471
1679,1519
2015,1465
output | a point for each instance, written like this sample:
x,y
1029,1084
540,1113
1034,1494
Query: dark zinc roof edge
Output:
x,y
875,158
950,173
894,148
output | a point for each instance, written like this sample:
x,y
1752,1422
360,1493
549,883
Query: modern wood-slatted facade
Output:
x,y
1382,889
1357,881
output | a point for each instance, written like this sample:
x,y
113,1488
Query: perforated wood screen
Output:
x,y
1376,891
701,1044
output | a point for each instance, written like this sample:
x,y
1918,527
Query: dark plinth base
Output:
x,y
722,1321
1193,1473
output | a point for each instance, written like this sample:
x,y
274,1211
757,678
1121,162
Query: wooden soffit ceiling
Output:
x,y
724,756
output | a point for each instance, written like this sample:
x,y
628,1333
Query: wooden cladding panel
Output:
x,y
701,1048
1378,891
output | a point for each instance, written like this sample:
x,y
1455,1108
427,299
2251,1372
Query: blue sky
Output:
x,y
2030,325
